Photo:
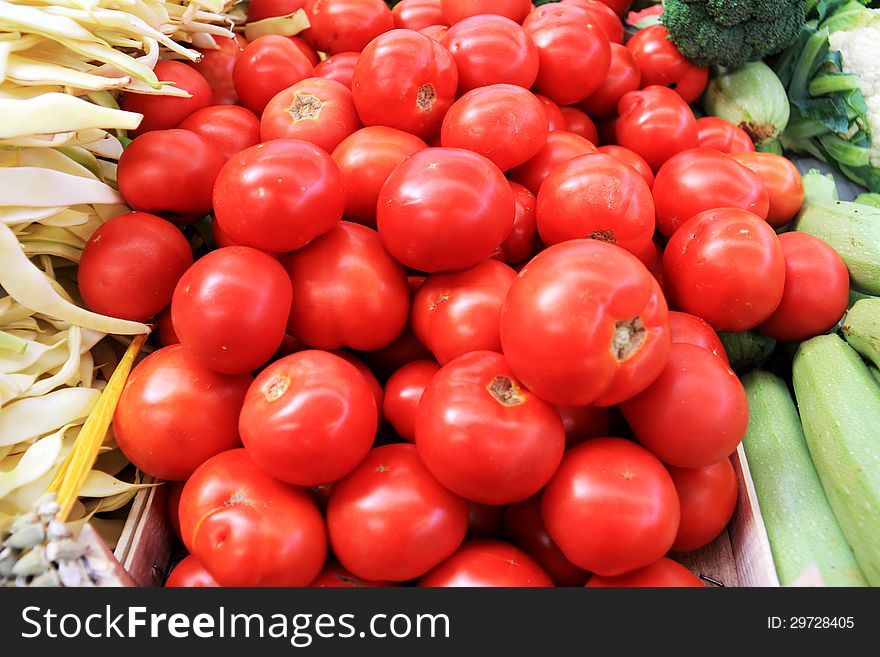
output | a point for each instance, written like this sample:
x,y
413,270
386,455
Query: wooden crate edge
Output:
x,y
144,548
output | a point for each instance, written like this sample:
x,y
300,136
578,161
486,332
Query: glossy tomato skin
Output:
x,y
691,329
579,123
306,49
444,209
782,180
619,6
309,418
229,128
623,76
261,9
458,10
602,15
130,265
632,159
598,197
662,573
347,291
655,123
574,55
181,163
561,147
165,328
435,32
338,67
708,498
249,529
206,309
491,49
482,563
453,314
520,243
661,63
404,80
190,573
403,391
611,507
216,67
333,575
346,25
727,267
580,361
694,414
816,291
154,423
483,435
165,112
715,132
372,380
174,489
583,422
391,520
704,179
417,14
307,195
266,66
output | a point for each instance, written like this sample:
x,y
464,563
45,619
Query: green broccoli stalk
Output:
x,y
732,33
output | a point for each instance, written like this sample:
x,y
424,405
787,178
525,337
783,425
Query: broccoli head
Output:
x,y
732,33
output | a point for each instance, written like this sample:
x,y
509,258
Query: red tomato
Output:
x,y
405,349
574,55
391,520
602,15
655,123
173,490
619,6
561,147
583,422
309,418
662,573
347,291
816,291
417,14
484,520
555,117
520,244
490,49
694,414
457,10
216,67
403,391
435,32
483,563
704,179
261,9
130,265
164,112
335,576
611,346
229,128
155,425
623,77
690,329
249,529
208,302
306,50
524,528
661,63
714,132
190,573
316,110
708,498
181,163
483,435
444,209
346,25
727,267
611,507
266,66
338,67
372,381
279,196
598,197
404,80
579,123
165,328
782,181
631,158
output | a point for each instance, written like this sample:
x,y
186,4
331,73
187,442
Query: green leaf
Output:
x,y
830,112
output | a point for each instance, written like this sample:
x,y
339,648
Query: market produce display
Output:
x,y
440,293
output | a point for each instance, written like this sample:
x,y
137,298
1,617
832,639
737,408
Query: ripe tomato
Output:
x,y
316,110
623,76
598,197
435,32
165,328
165,112
483,563
279,196
173,491
655,123
229,128
372,381
444,209
725,266
782,181
661,63
491,49
708,498
662,573
704,179
611,346
207,309
130,265
816,291
602,15
155,425
583,422
457,10
403,391
190,573
483,435
334,575
216,67
347,291
484,520
694,414
404,80
346,25
691,329
338,67
579,123
181,163
405,349
391,520
714,132
524,528
261,9
561,147
417,14
631,158
619,6
520,244
555,117
309,418
249,529
267,65
611,507
306,50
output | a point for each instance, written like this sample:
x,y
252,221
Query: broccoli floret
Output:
x,y
732,33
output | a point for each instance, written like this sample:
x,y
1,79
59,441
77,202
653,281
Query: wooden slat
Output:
x,y
714,562
144,549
